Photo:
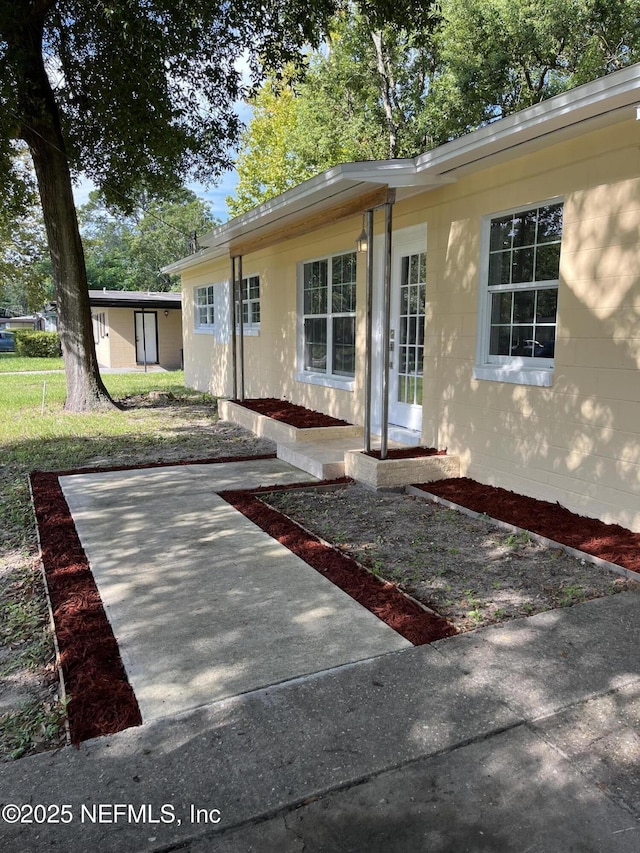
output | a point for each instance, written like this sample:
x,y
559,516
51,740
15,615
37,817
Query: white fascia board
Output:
x,y
561,113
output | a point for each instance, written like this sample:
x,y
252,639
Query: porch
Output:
x,y
331,452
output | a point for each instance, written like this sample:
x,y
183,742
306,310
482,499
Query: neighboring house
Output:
x,y
135,329
33,322
41,321
514,273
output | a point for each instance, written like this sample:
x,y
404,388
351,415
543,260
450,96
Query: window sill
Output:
x,y
249,331
541,377
204,330
326,381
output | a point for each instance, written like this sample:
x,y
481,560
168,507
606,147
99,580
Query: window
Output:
x,y
204,307
328,316
413,277
251,301
521,298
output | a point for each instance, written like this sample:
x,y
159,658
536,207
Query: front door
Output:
x,y
146,337
408,295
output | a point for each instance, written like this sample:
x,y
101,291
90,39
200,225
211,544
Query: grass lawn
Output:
x,y
177,423
10,362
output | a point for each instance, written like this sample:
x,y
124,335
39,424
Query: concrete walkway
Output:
x,y
203,603
521,738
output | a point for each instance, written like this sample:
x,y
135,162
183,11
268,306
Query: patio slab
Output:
x,y
203,603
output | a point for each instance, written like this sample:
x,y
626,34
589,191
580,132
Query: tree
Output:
x,y
499,56
25,269
380,90
359,98
267,164
134,94
127,252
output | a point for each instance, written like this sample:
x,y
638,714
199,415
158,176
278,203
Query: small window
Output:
x,y
520,299
329,316
204,307
251,302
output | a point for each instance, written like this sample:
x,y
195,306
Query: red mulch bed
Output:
x,y
289,413
382,598
408,452
608,541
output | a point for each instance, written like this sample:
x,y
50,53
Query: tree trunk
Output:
x,y
42,132
387,84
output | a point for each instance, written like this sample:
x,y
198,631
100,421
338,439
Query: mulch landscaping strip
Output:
x,y
290,413
609,542
380,597
101,700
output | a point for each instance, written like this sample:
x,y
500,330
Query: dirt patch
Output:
x,y
464,569
289,413
608,541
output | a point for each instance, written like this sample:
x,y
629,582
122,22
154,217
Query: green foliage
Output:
x,y
379,90
25,269
32,344
127,252
267,164
499,56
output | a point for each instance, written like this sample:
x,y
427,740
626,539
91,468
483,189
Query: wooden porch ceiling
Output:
x,y
301,223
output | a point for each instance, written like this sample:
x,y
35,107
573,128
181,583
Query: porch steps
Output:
x,y
332,452
323,458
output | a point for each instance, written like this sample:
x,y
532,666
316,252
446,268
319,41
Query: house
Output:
x,y
133,329
32,322
502,278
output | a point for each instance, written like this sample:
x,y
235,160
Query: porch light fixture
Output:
x,y
363,240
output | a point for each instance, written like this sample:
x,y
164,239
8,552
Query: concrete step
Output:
x,y
322,459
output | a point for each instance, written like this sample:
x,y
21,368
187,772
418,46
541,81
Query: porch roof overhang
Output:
x,y
134,299
352,188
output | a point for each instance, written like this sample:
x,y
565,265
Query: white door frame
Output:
x,y
146,337
406,241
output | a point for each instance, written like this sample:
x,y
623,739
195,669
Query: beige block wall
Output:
x,y
101,341
122,349
271,357
170,338
576,442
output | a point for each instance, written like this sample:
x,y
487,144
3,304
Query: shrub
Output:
x,y
32,344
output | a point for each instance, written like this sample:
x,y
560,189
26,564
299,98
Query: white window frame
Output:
x,y
250,327
328,379
513,369
198,326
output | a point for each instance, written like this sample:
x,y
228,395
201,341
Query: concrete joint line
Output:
x,y
287,808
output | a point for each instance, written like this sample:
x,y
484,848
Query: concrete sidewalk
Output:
x,y
520,737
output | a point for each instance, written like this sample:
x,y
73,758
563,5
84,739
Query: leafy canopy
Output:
x,y
127,252
379,90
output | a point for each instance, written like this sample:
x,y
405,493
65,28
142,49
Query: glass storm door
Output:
x,y
407,335
146,337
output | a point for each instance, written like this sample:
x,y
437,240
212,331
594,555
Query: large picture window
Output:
x,y
204,307
522,272
329,315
